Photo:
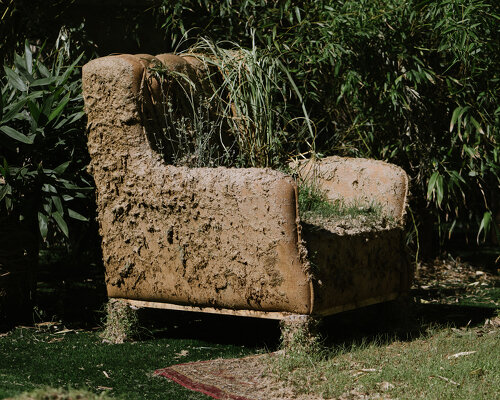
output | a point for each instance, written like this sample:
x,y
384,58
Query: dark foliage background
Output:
x,y
416,83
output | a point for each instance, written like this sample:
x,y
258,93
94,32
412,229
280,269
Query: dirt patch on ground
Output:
x,y
245,378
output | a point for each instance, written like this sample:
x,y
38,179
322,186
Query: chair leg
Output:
x,y
300,331
122,322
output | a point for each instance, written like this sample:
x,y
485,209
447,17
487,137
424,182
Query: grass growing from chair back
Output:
x,y
190,130
237,115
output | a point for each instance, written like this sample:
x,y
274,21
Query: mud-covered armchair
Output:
x,y
227,240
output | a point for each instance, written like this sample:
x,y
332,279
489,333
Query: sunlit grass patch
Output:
x,y
458,364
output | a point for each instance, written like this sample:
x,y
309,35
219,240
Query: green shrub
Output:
x,y
416,83
42,146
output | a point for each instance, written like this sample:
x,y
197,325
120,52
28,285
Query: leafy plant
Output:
x,y
42,149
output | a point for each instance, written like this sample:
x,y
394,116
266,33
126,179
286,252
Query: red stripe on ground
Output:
x,y
188,383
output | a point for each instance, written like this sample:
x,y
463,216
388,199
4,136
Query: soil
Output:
x,y
349,225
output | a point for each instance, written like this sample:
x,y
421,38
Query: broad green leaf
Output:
x,y
47,105
13,109
14,134
56,200
55,113
456,176
61,168
477,125
454,117
75,215
439,189
4,190
43,81
43,224
432,184
43,70
15,80
61,223
28,57
34,110
76,116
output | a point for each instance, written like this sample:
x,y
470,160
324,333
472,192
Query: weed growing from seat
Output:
x,y
314,202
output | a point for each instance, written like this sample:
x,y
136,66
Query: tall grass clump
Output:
x,y
416,83
254,88
234,111
314,203
190,129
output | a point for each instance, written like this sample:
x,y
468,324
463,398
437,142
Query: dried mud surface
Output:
x,y
197,236
349,225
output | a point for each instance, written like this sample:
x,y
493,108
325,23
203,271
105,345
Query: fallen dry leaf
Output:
x,y
461,354
445,379
182,353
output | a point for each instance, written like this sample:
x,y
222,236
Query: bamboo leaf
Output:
x,y
28,57
61,223
43,224
43,81
4,190
61,168
15,80
439,189
75,215
56,200
454,117
432,184
57,111
14,134
484,226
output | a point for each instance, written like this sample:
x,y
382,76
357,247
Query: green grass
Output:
x,y
49,393
32,359
422,368
314,202
366,351
370,352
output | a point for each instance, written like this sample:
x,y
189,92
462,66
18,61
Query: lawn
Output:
x,y
446,346
51,355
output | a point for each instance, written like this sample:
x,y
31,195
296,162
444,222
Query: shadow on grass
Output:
x,y
390,322
80,305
